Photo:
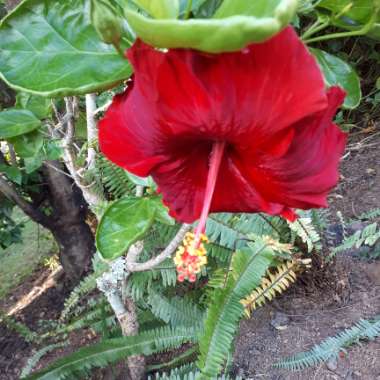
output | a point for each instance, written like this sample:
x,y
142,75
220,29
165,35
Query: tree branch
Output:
x,y
92,132
69,156
133,266
11,193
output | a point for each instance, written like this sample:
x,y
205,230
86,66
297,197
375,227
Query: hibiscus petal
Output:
x,y
123,137
267,102
302,177
265,87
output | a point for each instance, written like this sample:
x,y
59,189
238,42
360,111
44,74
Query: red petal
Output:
x,y
123,137
267,102
303,177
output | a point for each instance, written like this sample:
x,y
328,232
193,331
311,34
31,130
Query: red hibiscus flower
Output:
x,y
247,131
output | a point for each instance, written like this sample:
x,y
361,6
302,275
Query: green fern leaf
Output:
x,y
176,311
113,350
33,360
225,310
331,347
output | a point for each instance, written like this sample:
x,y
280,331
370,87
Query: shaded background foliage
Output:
x,y
200,320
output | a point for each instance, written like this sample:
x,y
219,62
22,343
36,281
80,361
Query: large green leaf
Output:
x,y
225,310
16,122
232,28
123,223
51,48
338,72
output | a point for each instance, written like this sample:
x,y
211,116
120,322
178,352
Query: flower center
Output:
x,y
190,257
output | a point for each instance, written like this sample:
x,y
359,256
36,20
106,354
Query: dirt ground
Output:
x,y
310,314
306,314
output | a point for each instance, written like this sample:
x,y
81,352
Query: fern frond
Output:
x,y
225,309
186,357
231,230
303,228
87,285
175,373
176,311
89,318
20,328
332,346
372,214
369,236
33,360
187,373
110,351
274,283
115,179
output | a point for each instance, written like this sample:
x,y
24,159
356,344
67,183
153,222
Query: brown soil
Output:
x,y
308,313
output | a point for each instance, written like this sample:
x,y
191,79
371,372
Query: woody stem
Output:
x,y
214,165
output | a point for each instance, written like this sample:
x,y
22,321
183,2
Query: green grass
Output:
x,y
18,261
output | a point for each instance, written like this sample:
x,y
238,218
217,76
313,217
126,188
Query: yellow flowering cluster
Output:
x,y
190,257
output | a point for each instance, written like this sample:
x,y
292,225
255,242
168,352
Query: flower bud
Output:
x,y
106,22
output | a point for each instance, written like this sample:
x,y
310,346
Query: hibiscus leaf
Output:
x,y
231,31
39,105
13,173
16,122
162,212
355,14
51,49
339,72
123,223
28,145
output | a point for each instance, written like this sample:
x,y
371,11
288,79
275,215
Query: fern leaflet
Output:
x,y
331,347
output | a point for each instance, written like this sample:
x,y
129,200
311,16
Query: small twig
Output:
x,y
103,108
57,169
133,266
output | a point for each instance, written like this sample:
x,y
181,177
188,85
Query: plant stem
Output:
x,y
316,27
188,9
366,28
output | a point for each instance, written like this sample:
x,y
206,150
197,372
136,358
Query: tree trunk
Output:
x,y
68,222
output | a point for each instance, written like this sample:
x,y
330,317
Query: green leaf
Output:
x,y
51,49
27,145
33,163
123,223
162,214
354,14
16,122
41,107
52,150
234,32
339,72
160,8
225,309
358,10
13,173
